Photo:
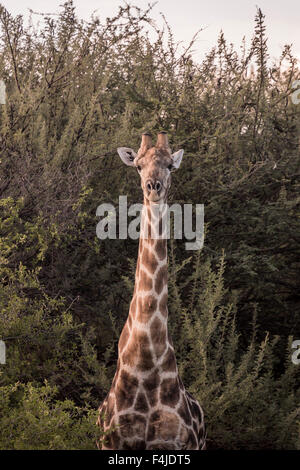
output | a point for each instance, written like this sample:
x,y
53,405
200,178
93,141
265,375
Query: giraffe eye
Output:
x,y
139,168
170,167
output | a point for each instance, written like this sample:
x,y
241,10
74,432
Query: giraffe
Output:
x,y
147,407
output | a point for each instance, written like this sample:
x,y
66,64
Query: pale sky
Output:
x,y
234,17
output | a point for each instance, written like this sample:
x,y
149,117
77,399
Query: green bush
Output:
x,y
248,403
32,420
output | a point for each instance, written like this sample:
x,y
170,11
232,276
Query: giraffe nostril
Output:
x,y
158,186
149,186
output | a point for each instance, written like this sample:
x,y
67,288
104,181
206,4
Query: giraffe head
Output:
x,y
154,165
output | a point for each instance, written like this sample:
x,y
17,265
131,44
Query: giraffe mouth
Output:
x,y
155,197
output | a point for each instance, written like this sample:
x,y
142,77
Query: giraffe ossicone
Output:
x,y
147,406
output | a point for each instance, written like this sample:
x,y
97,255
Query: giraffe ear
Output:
x,y
127,155
177,157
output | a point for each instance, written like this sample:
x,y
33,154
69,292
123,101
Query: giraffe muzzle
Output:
x,y
153,186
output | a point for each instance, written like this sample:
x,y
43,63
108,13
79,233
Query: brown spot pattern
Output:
x,y
195,410
183,411
163,305
132,425
161,249
163,425
137,352
195,427
151,385
149,260
158,336
169,392
123,338
187,436
145,281
161,279
125,390
116,374
141,404
133,304
192,442
169,362
134,445
170,339
146,307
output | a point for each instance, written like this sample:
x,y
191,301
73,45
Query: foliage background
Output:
x,y
77,90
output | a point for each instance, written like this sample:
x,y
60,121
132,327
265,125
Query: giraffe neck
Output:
x,y
144,340
151,278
